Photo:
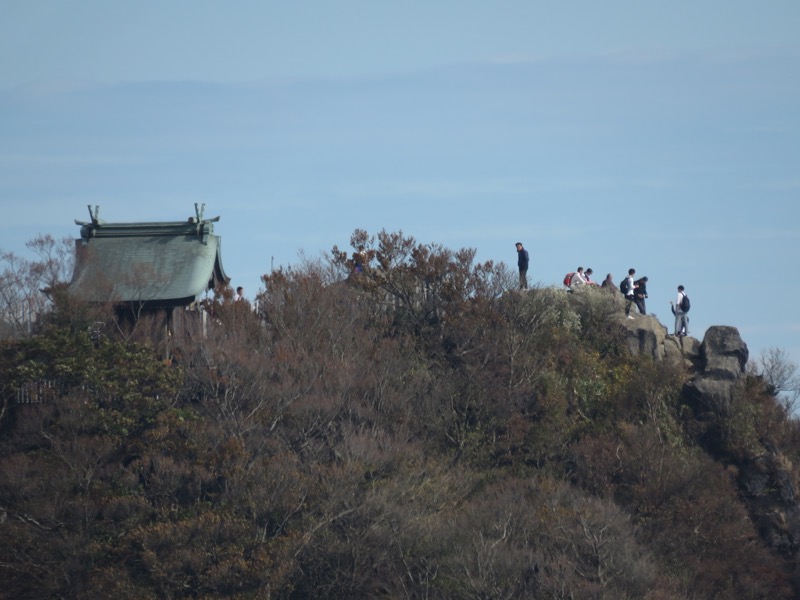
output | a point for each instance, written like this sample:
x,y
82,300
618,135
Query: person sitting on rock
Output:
x,y
608,283
578,280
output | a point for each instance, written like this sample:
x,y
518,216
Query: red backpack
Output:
x,y
568,278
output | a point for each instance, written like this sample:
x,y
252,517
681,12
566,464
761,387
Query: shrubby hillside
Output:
x,y
417,430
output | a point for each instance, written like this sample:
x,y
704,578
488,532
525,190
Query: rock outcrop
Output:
x,y
716,369
722,359
646,335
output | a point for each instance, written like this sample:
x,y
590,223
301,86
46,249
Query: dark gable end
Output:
x,y
158,264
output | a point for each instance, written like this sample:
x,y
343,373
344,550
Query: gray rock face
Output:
x,y
646,335
708,394
723,353
716,364
684,350
722,358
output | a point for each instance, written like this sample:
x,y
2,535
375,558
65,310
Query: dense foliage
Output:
x,y
415,429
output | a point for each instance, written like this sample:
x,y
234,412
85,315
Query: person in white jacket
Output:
x,y
630,286
681,318
578,280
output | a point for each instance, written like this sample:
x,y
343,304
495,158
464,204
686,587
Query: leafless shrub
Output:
x,y
26,282
780,374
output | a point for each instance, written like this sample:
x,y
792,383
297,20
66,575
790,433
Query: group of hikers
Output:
x,y
634,290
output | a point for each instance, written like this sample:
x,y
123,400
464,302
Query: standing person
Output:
x,y
359,260
679,308
522,262
627,287
640,293
239,295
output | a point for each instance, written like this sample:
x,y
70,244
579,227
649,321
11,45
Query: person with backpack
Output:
x,y
577,280
627,287
679,308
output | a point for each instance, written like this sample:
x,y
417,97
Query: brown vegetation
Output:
x,y
418,429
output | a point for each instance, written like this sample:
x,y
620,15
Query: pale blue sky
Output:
x,y
664,136
204,40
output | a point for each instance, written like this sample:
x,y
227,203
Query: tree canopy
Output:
x,y
415,427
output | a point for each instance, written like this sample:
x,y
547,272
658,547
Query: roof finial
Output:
x,y
94,215
199,209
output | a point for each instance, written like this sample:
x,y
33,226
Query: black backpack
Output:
x,y
685,304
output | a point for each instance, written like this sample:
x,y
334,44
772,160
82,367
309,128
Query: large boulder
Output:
x,y
722,358
723,353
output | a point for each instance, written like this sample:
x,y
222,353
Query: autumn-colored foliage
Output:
x,y
413,428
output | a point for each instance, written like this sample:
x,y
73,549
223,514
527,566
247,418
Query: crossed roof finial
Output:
x,y
94,215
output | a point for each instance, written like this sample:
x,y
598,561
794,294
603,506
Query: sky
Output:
x,y
659,136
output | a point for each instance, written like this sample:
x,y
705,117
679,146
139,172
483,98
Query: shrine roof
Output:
x,y
160,263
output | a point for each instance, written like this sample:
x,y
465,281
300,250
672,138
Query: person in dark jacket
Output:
x,y
608,284
640,293
522,262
